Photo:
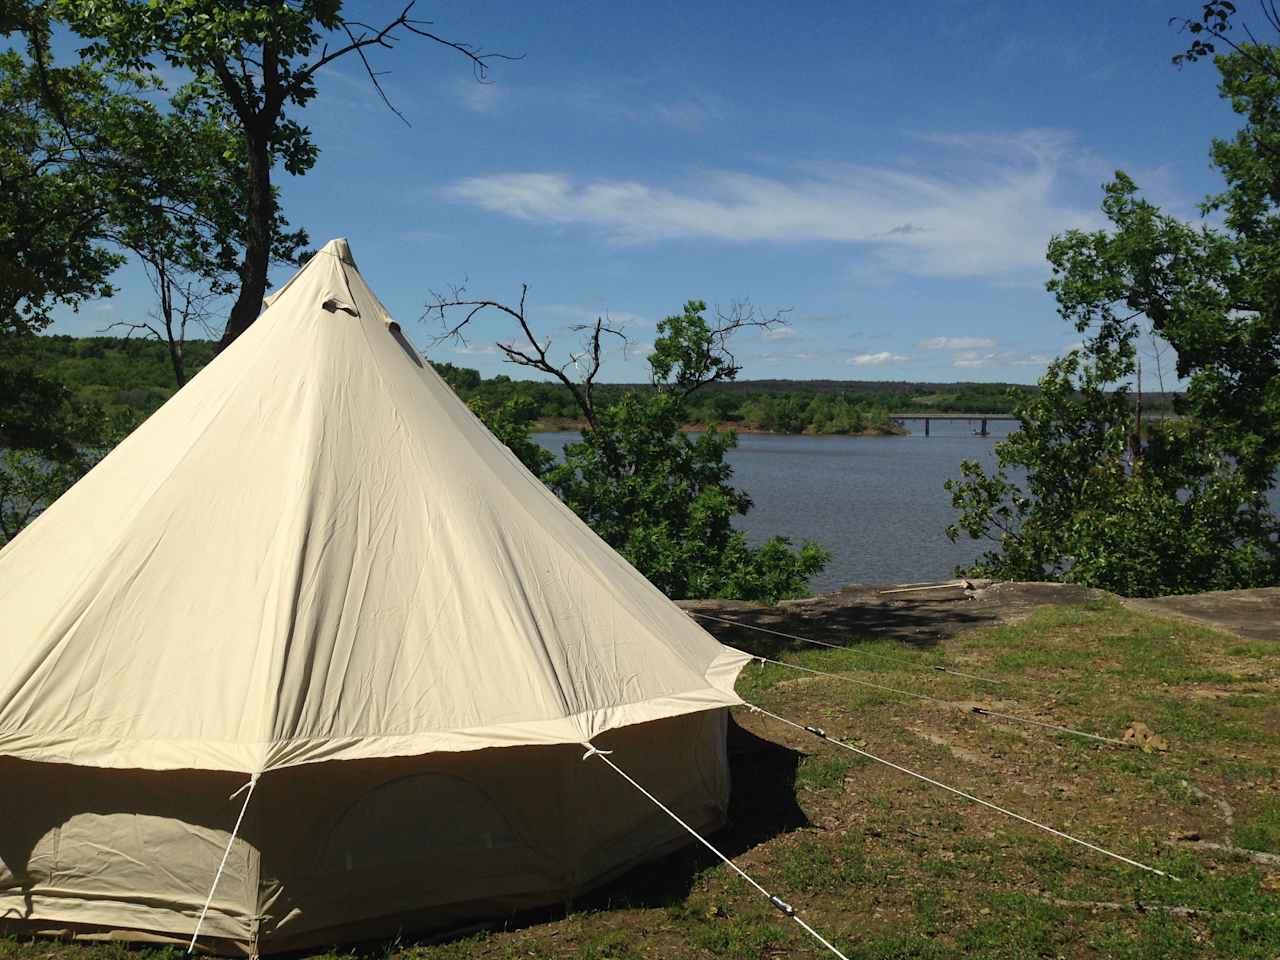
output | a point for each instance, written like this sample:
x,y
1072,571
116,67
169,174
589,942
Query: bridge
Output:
x,y
982,418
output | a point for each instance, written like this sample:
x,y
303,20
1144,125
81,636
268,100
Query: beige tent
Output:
x,y
315,568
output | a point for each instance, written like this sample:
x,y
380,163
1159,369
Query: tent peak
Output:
x,y
338,247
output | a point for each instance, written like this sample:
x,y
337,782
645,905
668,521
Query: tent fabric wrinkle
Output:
x,y
311,509
315,567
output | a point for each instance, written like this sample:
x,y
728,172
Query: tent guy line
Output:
x,y
247,789
779,904
972,710
822,735
836,646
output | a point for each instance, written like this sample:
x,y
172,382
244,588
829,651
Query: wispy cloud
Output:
x,y
992,222
579,314
876,359
478,97
956,343
692,114
1003,358
778,356
778,333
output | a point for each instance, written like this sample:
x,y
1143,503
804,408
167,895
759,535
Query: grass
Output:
x,y
892,868
1260,830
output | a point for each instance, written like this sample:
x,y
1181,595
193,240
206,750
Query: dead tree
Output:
x,y
698,363
182,301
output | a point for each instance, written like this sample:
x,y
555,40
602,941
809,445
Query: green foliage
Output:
x,y
509,422
819,407
52,220
1178,520
251,67
128,378
68,401
663,498
32,478
821,414
1172,506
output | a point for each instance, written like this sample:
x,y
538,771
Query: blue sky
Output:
x,y
888,173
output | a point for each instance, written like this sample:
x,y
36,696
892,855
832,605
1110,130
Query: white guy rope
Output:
x,y
822,735
781,905
253,782
975,710
836,646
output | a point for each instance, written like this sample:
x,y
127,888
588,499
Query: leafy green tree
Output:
x,y
96,166
1167,506
53,216
252,66
1177,518
660,497
30,479
509,421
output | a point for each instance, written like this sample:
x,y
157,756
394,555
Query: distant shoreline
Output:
x,y
564,425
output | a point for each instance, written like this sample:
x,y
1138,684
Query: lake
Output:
x,y
876,503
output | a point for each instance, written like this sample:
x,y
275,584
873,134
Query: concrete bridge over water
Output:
x,y
982,419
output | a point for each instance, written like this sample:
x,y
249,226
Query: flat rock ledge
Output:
x,y
925,613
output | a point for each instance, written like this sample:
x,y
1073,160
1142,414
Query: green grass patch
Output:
x,y
826,772
723,933
1259,828
818,865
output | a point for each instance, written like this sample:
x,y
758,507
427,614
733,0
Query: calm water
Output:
x,y
876,503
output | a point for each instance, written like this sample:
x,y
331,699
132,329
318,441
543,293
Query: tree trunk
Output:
x,y
257,248
179,364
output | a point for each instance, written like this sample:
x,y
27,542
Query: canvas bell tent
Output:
x,y
314,580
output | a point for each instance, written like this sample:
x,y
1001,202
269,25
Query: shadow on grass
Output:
x,y
920,625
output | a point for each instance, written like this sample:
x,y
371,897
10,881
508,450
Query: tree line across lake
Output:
x,y
131,377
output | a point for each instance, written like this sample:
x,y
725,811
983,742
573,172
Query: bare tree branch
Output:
x,y
535,354
362,35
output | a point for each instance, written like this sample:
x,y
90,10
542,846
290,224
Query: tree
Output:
x,y
97,168
52,212
1176,518
1165,506
30,480
509,420
251,64
660,497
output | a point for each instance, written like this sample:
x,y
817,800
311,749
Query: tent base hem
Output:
x,y
429,925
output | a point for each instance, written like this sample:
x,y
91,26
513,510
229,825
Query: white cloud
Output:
x,y
637,351
778,333
104,308
876,359
956,343
478,97
474,349
579,314
692,113
780,357
992,222
1004,358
